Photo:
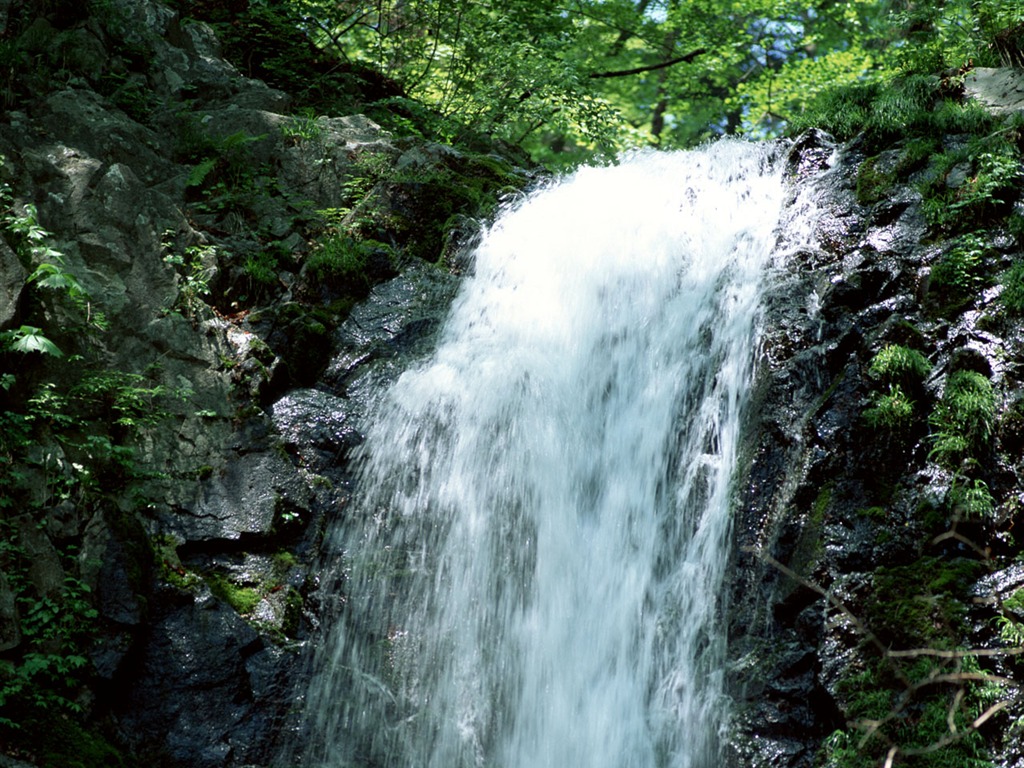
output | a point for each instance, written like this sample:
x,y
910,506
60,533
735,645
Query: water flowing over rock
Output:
x,y
530,566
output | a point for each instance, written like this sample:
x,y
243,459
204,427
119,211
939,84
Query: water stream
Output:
x,y
532,565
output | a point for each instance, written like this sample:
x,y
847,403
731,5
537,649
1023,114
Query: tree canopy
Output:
x,y
571,79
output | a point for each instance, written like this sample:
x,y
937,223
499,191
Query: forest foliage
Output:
x,y
570,80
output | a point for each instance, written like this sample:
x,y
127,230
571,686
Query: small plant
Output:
x,y
302,127
338,257
892,410
194,274
971,499
901,365
26,339
55,629
261,270
963,420
901,370
958,276
34,245
123,399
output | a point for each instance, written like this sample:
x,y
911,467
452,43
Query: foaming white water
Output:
x,y
534,559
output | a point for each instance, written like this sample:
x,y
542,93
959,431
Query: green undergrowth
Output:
x,y
70,427
963,419
898,373
883,112
960,274
916,696
59,742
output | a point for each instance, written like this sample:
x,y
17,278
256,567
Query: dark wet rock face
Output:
x,y
847,524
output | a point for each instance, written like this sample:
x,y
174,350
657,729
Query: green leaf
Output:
x,y
30,339
200,172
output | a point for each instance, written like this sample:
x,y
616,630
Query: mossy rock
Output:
x,y
921,604
875,178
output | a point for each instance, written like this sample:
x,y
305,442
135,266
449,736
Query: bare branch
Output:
x,y
953,738
938,653
651,67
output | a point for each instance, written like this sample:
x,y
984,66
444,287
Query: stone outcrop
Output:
x,y
999,89
188,202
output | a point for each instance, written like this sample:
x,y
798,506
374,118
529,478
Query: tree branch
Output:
x,y
650,68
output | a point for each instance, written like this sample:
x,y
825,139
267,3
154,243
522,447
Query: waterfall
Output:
x,y
530,571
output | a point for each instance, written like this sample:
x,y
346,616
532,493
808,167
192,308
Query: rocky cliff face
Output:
x,y
876,597
180,259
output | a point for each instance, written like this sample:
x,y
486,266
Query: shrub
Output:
x,y
994,176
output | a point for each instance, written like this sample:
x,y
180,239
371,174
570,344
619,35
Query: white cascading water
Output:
x,y
533,564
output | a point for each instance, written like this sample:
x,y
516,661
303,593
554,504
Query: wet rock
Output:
x,y
247,497
397,323
317,426
10,630
45,571
194,693
12,282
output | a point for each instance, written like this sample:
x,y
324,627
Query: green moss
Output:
x,y
873,183
168,564
878,514
242,599
284,561
821,504
920,604
892,700
916,152
864,696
